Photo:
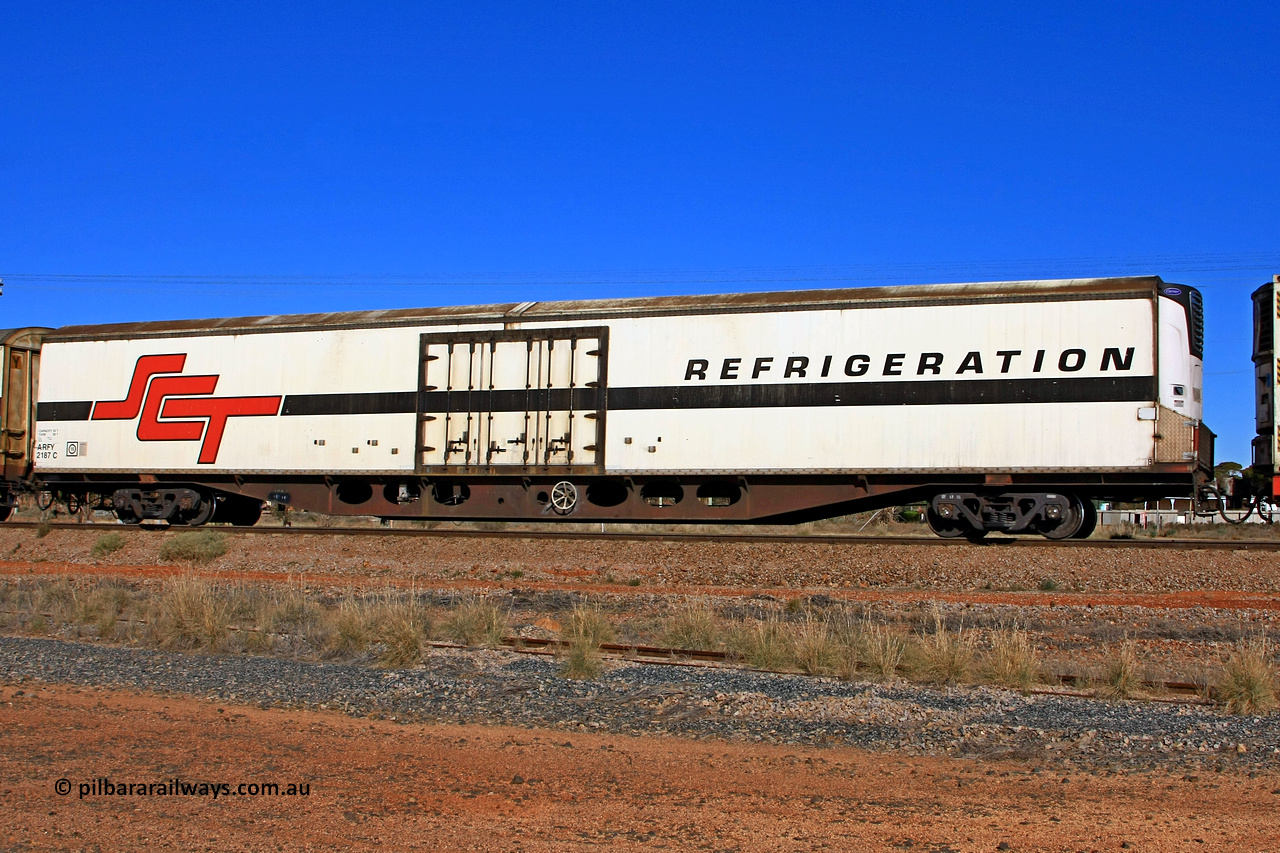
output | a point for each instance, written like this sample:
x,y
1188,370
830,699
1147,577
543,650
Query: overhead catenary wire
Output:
x,y
797,275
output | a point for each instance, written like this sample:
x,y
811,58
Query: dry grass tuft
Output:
x,y
943,657
102,608
1248,683
402,628
589,624
352,628
201,546
58,600
1122,678
1012,661
476,623
693,625
290,619
881,651
815,649
588,630
763,644
192,613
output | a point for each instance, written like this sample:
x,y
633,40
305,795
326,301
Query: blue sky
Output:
x,y
179,160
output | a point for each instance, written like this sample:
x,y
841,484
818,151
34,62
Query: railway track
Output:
x,y
644,536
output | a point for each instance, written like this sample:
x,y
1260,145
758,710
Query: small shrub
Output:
x,y
1248,683
43,528
476,623
693,626
881,651
943,657
107,544
200,546
1012,660
1124,530
1122,678
1049,585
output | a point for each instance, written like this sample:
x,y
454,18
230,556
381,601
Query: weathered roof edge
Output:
x,y
525,311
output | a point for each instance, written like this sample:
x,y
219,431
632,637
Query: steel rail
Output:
x,y
654,536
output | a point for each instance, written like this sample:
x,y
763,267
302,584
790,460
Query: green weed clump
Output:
x,y
107,544
200,546
1248,683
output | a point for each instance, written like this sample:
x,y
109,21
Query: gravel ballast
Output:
x,y
496,687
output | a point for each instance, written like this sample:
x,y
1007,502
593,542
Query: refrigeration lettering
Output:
x,y
972,363
930,362
1008,354
1111,355
1071,360
857,365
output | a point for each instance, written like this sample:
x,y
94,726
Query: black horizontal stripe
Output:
x,y
942,392
512,400
384,403
64,411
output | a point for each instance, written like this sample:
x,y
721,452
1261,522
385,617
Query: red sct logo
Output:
x,y
180,408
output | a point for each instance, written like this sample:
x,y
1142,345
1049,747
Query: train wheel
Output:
x,y
1089,523
44,500
945,527
4,512
1071,522
246,513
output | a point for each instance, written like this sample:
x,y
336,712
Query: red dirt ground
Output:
x,y
434,787
1224,599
